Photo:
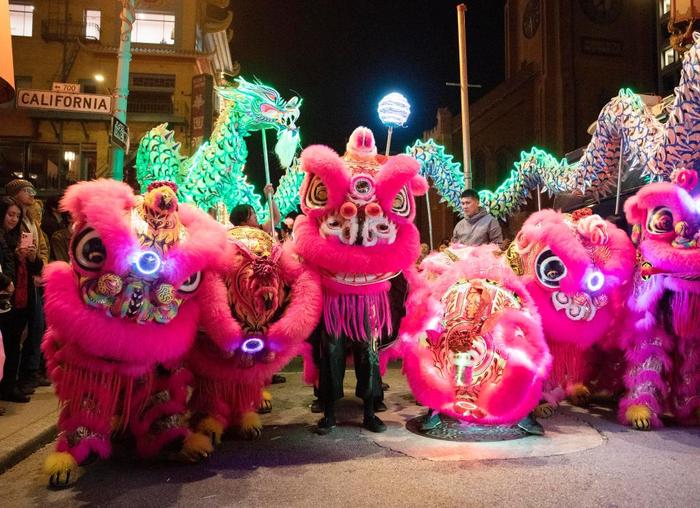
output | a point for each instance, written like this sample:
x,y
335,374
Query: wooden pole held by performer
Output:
x,y
267,182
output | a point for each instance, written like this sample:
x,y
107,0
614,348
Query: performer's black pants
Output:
x,y
332,368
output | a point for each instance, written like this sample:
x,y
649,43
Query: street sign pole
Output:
x,y
122,91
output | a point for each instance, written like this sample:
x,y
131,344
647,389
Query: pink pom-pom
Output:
x,y
685,178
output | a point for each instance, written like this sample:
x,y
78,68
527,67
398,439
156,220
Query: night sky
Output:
x,y
342,57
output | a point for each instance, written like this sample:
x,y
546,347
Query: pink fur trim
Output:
x,y
323,161
519,333
104,336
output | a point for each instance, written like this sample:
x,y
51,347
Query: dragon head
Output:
x,y
473,342
131,290
577,268
666,222
359,209
130,253
261,107
256,290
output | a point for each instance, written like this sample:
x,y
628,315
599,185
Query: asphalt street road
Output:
x,y
290,466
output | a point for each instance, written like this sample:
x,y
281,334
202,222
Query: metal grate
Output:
x,y
150,81
453,430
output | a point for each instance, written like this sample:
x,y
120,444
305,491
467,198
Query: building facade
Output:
x,y
564,59
177,46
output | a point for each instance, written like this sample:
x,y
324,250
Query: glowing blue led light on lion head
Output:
x,y
147,262
252,345
595,280
394,110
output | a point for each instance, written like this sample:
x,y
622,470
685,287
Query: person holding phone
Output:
x,y
24,194
21,260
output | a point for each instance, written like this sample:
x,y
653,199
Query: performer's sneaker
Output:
x,y
278,379
432,421
325,425
373,424
531,426
385,386
316,406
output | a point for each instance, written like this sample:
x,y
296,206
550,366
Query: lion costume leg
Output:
x,y
159,425
648,365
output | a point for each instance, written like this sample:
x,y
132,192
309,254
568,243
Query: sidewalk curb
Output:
x,y
40,433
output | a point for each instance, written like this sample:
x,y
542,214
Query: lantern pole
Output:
x,y
393,111
388,140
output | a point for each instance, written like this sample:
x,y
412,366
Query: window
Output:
x,y
664,7
153,28
92,24
21,19
668,56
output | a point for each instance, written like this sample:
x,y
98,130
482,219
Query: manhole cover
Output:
x,y
453,430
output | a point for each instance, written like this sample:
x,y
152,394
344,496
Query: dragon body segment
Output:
x,y
625,123
215,174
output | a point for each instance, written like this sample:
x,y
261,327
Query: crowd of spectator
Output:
x,y
32,233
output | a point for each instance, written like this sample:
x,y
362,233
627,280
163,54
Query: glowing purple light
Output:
x,y
252,345
148,262
595,280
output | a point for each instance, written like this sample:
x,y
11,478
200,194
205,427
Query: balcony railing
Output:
x,y
59,30
154,105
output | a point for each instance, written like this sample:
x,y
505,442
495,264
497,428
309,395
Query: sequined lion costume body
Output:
x,y
473,346
262,310
578,269
358,233
663,353
120,317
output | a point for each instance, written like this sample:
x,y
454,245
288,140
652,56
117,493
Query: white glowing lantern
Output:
x,y
394,110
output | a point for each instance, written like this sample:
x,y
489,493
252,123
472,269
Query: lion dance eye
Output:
x,y
401,205
89,252
660,220
550,268
316,193
192,283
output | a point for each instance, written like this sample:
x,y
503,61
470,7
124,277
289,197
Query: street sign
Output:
x,y
65,87
61,101
120,134
202,105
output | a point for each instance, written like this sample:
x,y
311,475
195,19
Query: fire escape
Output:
x,y
60,27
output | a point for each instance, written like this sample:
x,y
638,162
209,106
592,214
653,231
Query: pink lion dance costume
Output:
x,y
358,233
663,355
121,316
473,347
259,317
578,269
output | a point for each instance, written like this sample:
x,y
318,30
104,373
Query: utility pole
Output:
x,y
121,92
464,86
